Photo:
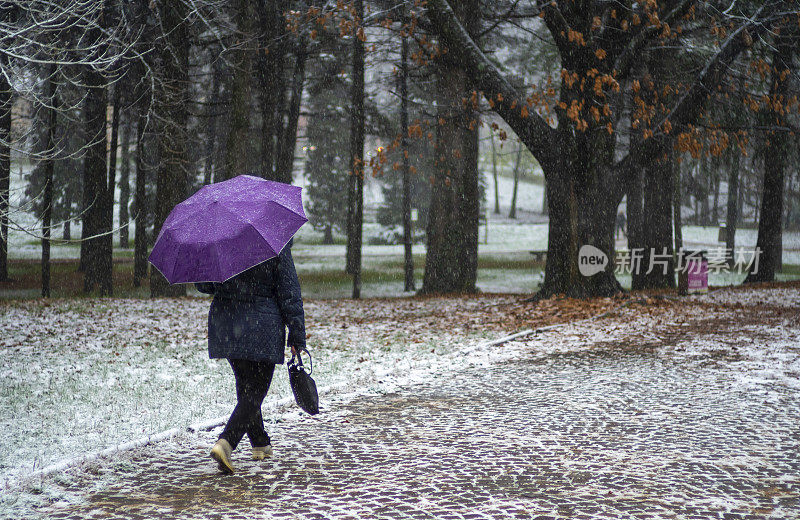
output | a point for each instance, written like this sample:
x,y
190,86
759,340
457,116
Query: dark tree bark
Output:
x,y
635,219
66,234
238,150
140,200
283,171
677,220
770,224
49,145
271,64
512,213
5,169
452,234
111,182
544,198
327,238
494,177
657,222
355,210
732,215
96,226
716,182
212,117
125,184
171,184
408,257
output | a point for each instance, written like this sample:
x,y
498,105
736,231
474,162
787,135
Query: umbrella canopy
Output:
x,y
226,228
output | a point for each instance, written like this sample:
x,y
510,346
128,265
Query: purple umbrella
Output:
x,y
226,228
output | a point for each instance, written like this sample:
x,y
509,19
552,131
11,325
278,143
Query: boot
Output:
x,y
262,452
221,452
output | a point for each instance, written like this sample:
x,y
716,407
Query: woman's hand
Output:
x,y
294,351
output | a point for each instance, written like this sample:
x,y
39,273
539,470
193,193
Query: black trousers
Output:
x,y
252,383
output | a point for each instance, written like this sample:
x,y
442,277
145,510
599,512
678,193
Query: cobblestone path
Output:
x,y
594,434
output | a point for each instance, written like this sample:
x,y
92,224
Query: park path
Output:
x,y
616,431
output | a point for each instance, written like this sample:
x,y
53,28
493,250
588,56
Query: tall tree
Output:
x,y
140,203
172,109
451,262
355,207
408,257
49,146
271,74
238,150
512,213
5,161
732,213
770,224
96,226
212,116
494,176
288,142
125,183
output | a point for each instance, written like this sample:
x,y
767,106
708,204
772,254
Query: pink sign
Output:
x,y
697,271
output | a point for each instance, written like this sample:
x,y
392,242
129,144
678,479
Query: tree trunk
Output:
x,y
356,210
278,120
271,64
544,197
635,222
238,150
111,182
583,193
327,238
705,181
408,257
66,234
657,221
677,221
787,217
171,184
732,215
775,160
494,176
212,116
47,214
582,213
86,195
125,184
452,236
740,197
716,181
512,213
285,164
5,168
140,200
96,228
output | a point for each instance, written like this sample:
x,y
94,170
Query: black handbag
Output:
x,y
303,386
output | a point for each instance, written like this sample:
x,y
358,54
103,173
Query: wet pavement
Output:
x,y
604,433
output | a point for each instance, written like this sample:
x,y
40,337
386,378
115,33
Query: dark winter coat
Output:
x,y
250,311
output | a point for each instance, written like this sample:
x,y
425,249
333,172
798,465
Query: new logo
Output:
x,y
591,260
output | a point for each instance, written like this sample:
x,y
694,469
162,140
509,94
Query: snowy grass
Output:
x,y
84,375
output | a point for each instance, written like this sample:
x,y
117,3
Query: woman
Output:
x,y
246,326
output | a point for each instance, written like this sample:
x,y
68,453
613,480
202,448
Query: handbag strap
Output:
x,y
299,362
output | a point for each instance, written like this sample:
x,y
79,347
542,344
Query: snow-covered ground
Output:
x,y
786,297
84,375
